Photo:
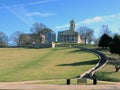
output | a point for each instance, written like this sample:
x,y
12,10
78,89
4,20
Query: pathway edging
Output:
x,y
101,63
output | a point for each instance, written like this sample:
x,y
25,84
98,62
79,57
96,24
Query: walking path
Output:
x,y
102,62
28,85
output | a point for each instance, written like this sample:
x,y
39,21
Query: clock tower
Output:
x,y
72,25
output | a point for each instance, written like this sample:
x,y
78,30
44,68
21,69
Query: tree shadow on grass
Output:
x,y
77,51
91,62
104,76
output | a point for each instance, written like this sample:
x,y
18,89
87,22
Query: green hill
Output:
x,y
17,64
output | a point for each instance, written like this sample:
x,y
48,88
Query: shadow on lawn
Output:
x,y
80,63
77,51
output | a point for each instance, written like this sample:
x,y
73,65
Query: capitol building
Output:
x,y
70,36
47,35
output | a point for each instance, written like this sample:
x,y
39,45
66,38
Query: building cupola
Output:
x,y
72,25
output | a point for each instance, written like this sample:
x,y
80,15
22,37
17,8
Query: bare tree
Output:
x,y
82,31
105,30
25,39
16,37
90,35
37,31
3,39
87,33
37,28
96,41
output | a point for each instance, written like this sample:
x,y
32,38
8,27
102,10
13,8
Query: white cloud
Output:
x,y
20,5
40,14
29,3
20,13
40,2
61,27
92,20
89,21
86,21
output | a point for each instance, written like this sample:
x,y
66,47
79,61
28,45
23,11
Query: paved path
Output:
x,y
29,86
102,62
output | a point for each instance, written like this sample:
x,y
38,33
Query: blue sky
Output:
x,y
56,14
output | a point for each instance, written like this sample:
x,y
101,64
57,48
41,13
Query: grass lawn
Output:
x,y
18,64
108,74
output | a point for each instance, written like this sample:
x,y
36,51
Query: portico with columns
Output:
x,y
69,36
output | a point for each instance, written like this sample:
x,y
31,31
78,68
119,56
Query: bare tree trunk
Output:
x,y
117,67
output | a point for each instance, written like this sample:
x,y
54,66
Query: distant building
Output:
x,y
45,36
70,36
50,35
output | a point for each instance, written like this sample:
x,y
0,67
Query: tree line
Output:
x,y
87,34
15,38
113,45
107,41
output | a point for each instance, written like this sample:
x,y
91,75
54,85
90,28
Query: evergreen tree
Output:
x,y
105,41
115,45
115,49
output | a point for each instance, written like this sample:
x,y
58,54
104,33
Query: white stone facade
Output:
x,y
69,36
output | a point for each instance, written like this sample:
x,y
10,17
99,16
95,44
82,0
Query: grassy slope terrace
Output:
x,y
17,64
108,72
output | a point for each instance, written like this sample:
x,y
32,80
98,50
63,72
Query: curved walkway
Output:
x,y
102,62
